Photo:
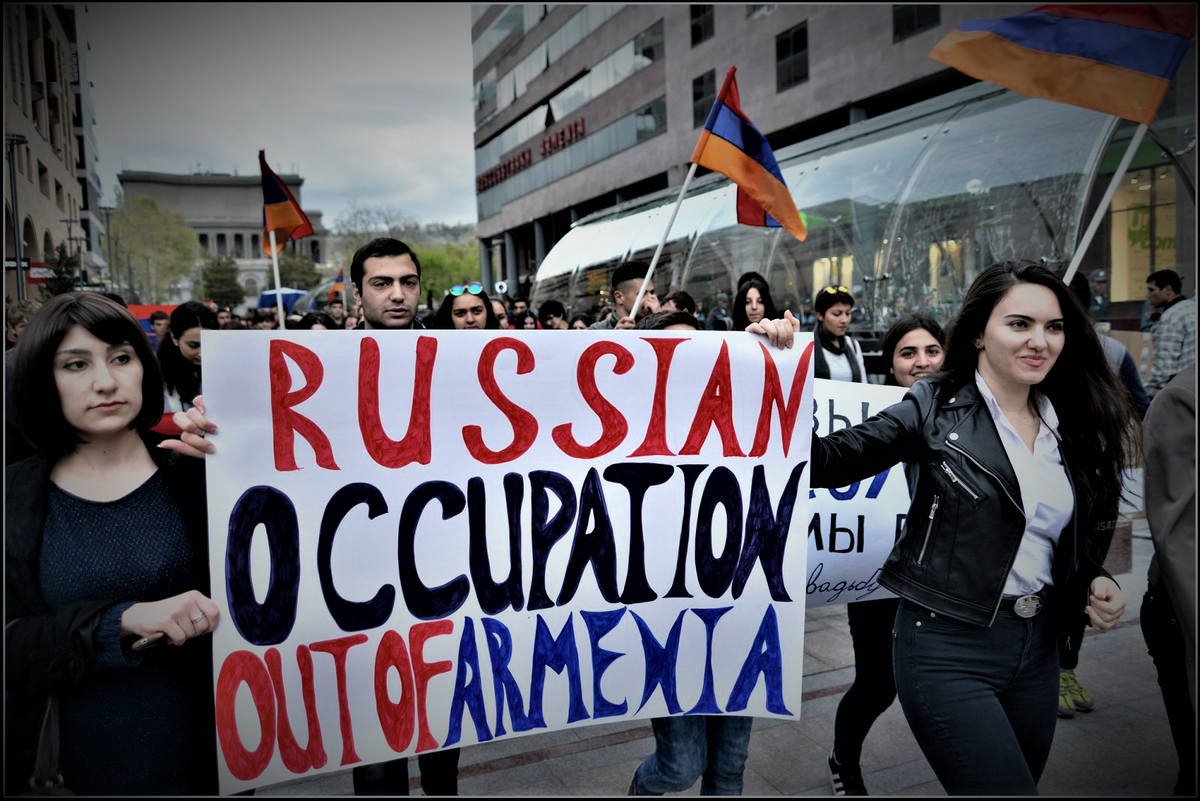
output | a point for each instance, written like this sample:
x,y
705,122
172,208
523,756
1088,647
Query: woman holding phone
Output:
x,y
106,549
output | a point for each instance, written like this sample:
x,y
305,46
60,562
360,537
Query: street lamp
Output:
x,y
11,140
79,262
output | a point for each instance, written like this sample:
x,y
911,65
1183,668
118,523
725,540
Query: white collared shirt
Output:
x,y
1045,493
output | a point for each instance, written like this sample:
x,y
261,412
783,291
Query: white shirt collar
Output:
x,y
1044,406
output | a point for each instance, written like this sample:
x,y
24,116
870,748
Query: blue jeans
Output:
x,y
688,747
981,702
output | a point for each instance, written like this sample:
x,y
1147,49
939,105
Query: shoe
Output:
x,y
1080,697
1066,706
845,780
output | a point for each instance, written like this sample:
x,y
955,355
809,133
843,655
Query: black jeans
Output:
x,y
874,687
439,775
1164,639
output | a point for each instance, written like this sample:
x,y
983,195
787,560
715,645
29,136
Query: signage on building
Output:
x,y
504,170
573,132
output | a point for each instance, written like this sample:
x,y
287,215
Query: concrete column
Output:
x,y
485,266
539,242
510,263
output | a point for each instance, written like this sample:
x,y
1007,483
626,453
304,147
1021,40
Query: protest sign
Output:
x,y
428,539
852,529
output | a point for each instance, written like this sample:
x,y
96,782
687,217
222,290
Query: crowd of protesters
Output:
x,y
90,394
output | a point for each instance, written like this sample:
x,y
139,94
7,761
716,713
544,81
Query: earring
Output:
x,y
978,345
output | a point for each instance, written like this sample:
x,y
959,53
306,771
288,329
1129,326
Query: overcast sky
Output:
x,y
366,102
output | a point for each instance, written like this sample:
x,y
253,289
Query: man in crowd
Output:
x,y
720,318
626,283
160,323
679,301
519,305
1174,335
336,309
553,316
224,315
16,315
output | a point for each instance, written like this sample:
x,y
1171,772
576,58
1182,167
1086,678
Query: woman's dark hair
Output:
x,y
826,299
35,393
582,317
901,328
518,320
740,320
444,319
180,375
660,320
1093,408
306,322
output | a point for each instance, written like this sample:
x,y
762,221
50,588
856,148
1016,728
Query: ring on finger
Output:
x,y
199,617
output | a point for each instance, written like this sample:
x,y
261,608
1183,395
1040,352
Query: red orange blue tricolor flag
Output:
x,y
732,146
1116,59
338,290
281,212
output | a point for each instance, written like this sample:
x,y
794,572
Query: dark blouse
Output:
x,y
137,723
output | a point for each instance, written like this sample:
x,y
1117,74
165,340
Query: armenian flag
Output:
x,y
281,212
1116,59
732,146
338,290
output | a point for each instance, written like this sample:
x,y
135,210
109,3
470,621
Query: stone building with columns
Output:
x,y
226,213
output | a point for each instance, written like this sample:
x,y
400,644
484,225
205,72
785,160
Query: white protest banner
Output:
x,y
423,539
852,529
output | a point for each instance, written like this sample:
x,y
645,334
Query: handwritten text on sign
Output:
x,y
428,539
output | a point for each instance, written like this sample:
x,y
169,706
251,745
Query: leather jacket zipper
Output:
x,y
977,463
955,479
928,530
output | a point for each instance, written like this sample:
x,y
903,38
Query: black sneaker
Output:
x,y
846,780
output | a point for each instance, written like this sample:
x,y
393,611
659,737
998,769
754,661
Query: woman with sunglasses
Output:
x,y
836,354
1016,451
467,306
106,546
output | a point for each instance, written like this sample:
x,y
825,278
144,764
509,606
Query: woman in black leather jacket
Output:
x,y
1015,452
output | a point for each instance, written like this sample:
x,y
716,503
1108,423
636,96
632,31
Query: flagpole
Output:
x,y
637,303
1134,144
278,285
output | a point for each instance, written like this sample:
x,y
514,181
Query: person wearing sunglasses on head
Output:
x,y
553,316
837,355
466,306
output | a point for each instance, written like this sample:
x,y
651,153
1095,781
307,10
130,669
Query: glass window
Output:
x,y
791,57
910,20
702,24
704,94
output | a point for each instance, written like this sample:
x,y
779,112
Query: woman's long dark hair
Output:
x,y
740,320
901,328
1093,407
444,319
37,403
179,374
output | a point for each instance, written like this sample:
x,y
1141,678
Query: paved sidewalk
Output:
x,y
1122,748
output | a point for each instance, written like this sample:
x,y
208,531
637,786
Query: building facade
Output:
x,y
580,108
226,212
51,187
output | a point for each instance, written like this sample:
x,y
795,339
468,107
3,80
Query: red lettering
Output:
x,y
295,758
716,408
613,424
655,443
424,671
284,421
337,648
416,445
773,395
238,667
524,424
395,718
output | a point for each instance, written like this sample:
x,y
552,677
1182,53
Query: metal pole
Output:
x,y
18,234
